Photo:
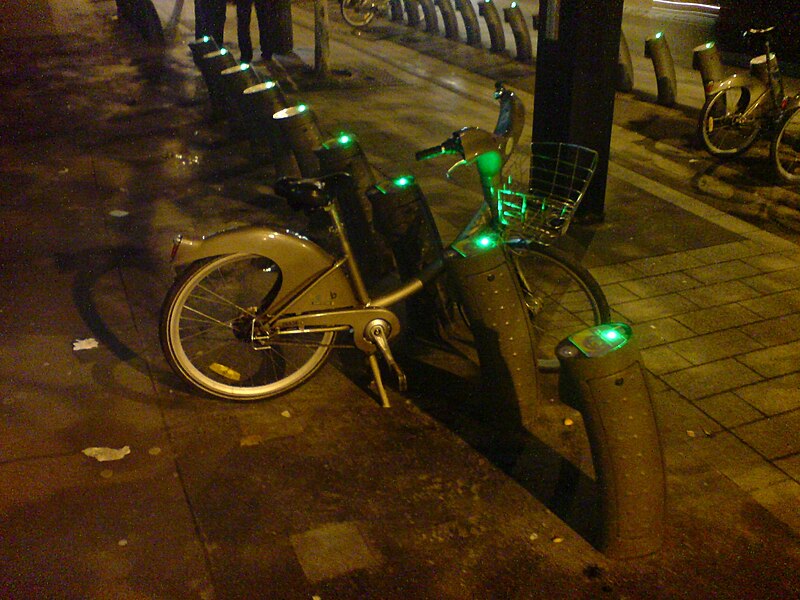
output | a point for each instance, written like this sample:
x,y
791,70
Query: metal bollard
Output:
x,y
707,59
211,66
449,18
497,37
470,22
259,103
202,46
343,154
396,10
522,36
412,12
300,130
403,218
657,49
624,66
602,377
430,16
235,80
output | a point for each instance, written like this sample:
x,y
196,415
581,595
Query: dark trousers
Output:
x,y
265,15
209,19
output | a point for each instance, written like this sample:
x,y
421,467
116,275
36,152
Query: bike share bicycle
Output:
x,y
256,310
740,109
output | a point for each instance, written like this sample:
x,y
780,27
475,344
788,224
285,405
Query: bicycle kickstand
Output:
x,y
376,333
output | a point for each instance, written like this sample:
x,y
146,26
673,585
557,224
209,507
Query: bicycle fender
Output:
x,y
734,81
300,261
504,338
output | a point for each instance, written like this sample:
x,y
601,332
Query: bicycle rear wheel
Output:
x,y
207,328
561,295
357,13
785,149
724,129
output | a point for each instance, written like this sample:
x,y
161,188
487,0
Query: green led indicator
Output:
x,y
206,38
403,181
345,139
244,66
709,45
601,339
659,34
302,108
513,5
223,51
269,84
485,241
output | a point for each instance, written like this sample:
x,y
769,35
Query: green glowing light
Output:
x,y
302,108
345,139
612,335
709,45
244,66
223,51
660,34
485,241
403,181
206,38
602,339
513,5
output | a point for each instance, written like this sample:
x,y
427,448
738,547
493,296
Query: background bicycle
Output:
x,y
738,110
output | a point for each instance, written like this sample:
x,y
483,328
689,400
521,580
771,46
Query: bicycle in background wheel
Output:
x,y
359,13
740,109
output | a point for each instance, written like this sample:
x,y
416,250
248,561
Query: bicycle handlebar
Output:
x,y
510,121
449,146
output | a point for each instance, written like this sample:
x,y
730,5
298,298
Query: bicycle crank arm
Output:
x,y
357,319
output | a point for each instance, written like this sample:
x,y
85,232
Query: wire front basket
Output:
x,y
542,211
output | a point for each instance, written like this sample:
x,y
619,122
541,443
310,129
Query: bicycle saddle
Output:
x,y
311,192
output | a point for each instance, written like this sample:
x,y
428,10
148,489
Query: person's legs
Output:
x,y
244,9
216,19
265,13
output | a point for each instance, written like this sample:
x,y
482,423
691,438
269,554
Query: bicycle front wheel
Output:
x,y
785,149
561,295
357,13
724,129
212,338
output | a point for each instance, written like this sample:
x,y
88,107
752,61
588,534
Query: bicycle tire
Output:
x,y
561,295
357,13
785,149
205,326
722,129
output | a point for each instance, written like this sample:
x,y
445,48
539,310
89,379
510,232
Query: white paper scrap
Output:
x,y
106,454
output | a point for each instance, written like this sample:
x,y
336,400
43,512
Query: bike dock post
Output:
x,y
449,19
497,36
300,129
211,66
522,36
259,103
602,377
624,66
707,60
657,49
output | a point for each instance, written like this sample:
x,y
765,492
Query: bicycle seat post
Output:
x,y
352,263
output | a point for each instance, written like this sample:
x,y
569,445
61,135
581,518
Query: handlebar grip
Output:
x,y
431,152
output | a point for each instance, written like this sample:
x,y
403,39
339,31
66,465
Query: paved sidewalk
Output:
x,y
106,153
